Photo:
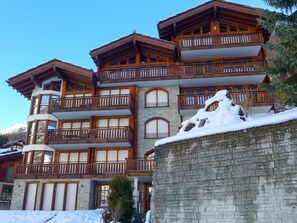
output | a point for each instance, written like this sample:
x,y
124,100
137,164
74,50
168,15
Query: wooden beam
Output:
x,y
215,12
174,29
36,81
135,46
55,69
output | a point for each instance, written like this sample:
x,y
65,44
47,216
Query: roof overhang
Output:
x,y
214,9
25,82
132,43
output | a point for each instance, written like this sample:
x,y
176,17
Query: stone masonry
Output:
x,y
242,177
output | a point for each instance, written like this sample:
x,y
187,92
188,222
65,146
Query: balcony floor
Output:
x,y
197,82
69,115
231,52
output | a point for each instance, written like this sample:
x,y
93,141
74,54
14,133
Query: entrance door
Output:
x,y
147,196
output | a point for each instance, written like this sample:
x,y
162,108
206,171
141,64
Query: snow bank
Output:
x,y
225,119
86,216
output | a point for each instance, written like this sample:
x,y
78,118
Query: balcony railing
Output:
x,y
111,102
60,170
96,135
245,99
218,41
194,70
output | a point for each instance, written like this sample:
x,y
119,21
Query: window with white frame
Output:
x,y
156,128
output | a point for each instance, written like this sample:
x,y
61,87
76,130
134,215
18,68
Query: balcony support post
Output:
x,y
136,194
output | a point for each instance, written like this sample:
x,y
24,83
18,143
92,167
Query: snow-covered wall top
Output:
x,y
225,117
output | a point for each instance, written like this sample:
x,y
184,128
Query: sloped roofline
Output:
x,y
207,5
130,38
26,78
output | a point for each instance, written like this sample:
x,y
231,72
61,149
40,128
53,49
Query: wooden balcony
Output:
x,y
222,40
84,107
135,167
121,136
195,70
245,99
220,46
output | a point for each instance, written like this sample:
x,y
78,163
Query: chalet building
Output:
x,y
87,127
8,159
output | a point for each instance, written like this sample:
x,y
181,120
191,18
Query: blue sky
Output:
x,y
35,31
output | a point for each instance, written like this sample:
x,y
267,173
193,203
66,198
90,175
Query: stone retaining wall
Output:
x,y
244,176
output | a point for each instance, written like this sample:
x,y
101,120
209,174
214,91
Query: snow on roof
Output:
x,y
225,119
7,152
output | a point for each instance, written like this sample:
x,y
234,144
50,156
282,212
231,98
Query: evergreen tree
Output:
x,y
120,199
283,61
3,140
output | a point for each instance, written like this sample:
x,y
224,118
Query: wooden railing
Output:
x,y
222,40
92,103
130,166
194,70
245,99
96,135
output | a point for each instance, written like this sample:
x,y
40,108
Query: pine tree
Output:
x,y
120,199
282,24
3,140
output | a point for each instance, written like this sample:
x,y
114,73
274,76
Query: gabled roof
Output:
x,y
10,154
25,82
130,43
211,9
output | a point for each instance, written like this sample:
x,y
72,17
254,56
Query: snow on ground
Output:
x,y
86,216
219,121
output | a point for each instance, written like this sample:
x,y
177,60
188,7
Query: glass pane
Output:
x,y
151,129
83,157
51,125
113,122
85,125
104,93
39,139
162,98
41,126
115,92
73,158
123,154
124,122
37,158
48,157
162,128
103,191
102,123
63,158
44,99
151,99
100,156
76,125
125,91
66,125
112,155
57,85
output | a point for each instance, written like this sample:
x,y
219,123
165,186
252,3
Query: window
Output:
x,y
156,98
9,174
102,191
53,85
156,128
40,104
39,157
37,131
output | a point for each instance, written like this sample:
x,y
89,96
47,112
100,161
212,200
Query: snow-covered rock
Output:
x,y
218,110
